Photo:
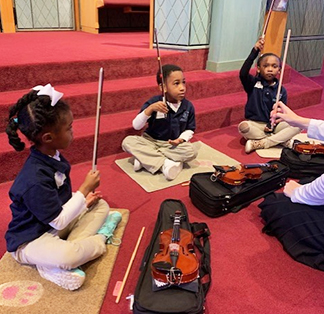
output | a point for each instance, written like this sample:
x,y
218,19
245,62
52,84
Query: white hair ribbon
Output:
x,y
48,90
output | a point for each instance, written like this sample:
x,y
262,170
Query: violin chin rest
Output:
x,y
162,266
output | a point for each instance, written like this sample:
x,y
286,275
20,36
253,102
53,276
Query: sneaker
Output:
x,y
108,228
171,169
68,279
288,143
137,165
252,145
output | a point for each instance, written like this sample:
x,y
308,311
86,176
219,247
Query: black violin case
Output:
x,y
302,166
173,298
216,198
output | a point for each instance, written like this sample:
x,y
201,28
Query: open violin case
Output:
x,y
216,198
173,298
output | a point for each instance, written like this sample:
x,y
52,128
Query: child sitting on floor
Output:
x,y
51,228
262,92
164,144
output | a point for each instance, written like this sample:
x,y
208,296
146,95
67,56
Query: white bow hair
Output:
x,y
48,90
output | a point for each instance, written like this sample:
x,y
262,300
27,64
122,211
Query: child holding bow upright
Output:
x,y
51,228
164,145
261,95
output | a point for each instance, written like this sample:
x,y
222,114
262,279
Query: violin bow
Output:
x,y
283,65
160,63
282,70
268,19
130,265
95,146
160,67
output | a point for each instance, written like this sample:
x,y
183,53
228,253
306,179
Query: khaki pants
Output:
x,y
152,153
71,247
254,130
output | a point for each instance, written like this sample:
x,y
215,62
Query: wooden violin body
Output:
x,y
176,262
238,175
308,148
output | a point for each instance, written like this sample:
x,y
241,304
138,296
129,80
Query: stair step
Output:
x,y
211,113
131,93
130,80
24,76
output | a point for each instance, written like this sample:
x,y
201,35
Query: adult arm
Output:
x,y
315,128
311,193
281,112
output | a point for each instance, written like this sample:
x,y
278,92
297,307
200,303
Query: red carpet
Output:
x,y
251,272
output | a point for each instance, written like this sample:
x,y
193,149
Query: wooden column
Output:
x,y
7,16
151,30
89,15
77,15
275,33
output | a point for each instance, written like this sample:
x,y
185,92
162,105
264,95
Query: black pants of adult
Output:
x,y
299,228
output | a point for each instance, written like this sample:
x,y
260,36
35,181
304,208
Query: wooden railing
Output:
x,y
7,16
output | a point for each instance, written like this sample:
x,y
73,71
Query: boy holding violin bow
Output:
x,y
170,124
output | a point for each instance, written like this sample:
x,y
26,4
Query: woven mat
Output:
x,y
206,158
23,291
275,152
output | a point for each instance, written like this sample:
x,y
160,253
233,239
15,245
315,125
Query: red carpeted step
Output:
x,y
128,94
211,113
23,76
131,93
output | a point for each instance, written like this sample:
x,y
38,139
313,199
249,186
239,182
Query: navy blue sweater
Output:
x,y
261,96
36,199
174,124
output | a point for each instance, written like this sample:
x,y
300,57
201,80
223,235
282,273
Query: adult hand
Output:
x,y
281,112
290,187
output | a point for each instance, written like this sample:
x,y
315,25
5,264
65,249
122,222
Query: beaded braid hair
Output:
x,y
167,69
33,114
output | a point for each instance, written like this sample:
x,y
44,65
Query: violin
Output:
x,y
176,262
308,148
238,175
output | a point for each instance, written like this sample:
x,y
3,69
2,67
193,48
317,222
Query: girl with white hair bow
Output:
x,y
52,228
